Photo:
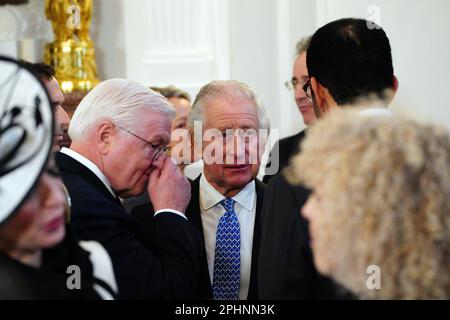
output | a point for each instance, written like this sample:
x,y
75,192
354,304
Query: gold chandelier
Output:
x,y
72,53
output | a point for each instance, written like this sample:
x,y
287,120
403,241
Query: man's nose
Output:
x,y
298,92
236,149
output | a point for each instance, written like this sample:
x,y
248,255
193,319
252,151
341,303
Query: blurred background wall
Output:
x,y
191,42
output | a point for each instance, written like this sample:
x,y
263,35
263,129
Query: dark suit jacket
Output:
x,y
160,265
286,266
19,281
204,290
285,148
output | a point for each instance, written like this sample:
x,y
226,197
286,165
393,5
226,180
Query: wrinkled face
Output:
x,y
314,211
128,160
300,74
40,222
239,164
61,118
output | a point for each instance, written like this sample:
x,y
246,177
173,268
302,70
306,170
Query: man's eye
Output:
x,y
250,132
155,146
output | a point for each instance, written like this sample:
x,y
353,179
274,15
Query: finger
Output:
x,y
154,176
159,163
169,167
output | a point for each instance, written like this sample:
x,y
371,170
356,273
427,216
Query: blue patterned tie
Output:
x,y
227,259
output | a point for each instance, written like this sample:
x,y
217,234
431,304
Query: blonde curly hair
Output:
x,y
385,185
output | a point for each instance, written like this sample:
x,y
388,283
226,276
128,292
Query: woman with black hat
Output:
x,y
38,258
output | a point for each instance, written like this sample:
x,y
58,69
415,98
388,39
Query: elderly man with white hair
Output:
x,y
120,132
227,198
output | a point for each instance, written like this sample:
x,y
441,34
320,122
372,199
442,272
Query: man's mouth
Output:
x,y
236,166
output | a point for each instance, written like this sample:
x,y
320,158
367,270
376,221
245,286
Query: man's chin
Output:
x,y
125,194
239,177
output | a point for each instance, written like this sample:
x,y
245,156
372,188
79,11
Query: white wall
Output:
x,y
107,32
248,40
419,32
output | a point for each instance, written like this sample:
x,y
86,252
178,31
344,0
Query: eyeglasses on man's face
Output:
x,y
156,149
292,85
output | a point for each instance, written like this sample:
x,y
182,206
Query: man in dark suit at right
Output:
x,y
346,61
286,147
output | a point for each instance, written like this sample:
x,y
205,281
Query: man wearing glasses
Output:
x,y
285,148
120,132
347,61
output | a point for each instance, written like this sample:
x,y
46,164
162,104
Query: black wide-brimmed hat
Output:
x,y
26,134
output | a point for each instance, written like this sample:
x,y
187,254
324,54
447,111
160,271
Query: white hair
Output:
x,y
227,88
119,100
302,45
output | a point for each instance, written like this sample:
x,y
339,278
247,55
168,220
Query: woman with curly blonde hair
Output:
x,y
380,210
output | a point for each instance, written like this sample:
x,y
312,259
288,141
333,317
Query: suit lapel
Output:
x,y
194,215
252,291
70,165
193,210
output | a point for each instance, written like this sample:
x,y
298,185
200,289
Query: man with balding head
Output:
x,y
120,132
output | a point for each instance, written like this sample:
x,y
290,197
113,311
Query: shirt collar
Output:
x,y
91,166
210,197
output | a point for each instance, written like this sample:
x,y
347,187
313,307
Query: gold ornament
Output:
x,y
72,53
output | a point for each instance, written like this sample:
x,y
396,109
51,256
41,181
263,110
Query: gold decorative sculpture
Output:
x,y
72,53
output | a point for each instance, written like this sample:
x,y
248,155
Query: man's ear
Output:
x,y
317,88
395,84
390,92
104,136
324,99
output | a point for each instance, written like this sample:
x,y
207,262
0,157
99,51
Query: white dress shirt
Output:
x,y
95,170
91,166
212,211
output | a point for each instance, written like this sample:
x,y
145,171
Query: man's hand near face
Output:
x,y
167,187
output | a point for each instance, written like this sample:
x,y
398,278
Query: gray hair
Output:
x,y
226,88
118,100
302,45
172,92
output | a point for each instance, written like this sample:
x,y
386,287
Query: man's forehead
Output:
x,y
230,105
246,114
155,123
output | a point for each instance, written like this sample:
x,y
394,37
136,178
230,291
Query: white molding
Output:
x,y
26,21
222,38
9,24
284,68
322,12
171,41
